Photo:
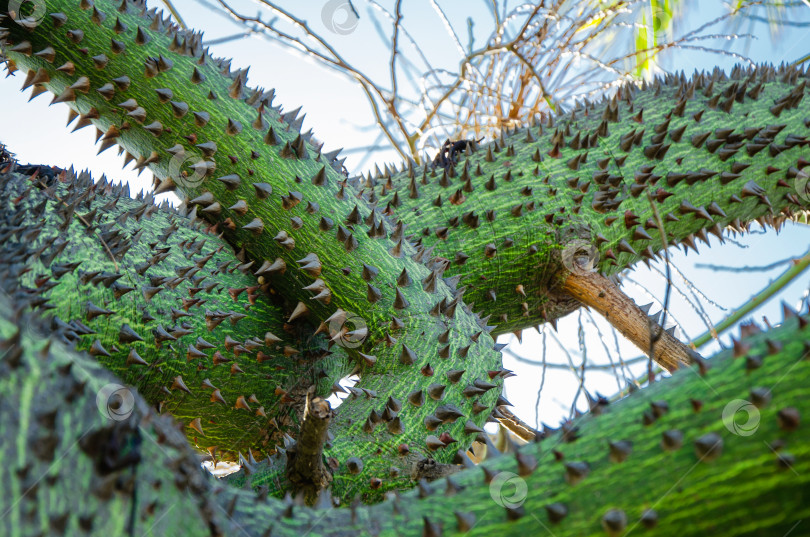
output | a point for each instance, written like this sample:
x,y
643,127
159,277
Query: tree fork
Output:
x,y
246,168
223,198
709,153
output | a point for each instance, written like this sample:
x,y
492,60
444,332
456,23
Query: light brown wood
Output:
x,y
522,429
599,293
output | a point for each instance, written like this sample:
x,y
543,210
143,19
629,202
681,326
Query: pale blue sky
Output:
x,y
338,114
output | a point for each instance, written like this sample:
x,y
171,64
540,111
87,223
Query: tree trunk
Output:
x,y
724,453
430,373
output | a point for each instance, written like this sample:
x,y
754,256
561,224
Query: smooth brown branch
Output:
x,y
598,292
517,426
305,467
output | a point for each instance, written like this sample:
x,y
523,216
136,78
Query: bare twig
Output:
x,y
394,51
564,367
747,268
536,57
612,367
656,330
798,267
582,366
542,381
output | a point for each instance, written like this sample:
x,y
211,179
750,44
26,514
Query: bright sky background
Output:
x,y
337,112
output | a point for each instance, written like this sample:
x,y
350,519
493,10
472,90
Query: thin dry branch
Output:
x,y
596,291
522,429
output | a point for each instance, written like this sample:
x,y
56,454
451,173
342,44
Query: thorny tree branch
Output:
x,y
537,56
305,465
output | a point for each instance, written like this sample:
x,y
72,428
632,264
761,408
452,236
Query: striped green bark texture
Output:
x,y
430,374
339,265
69,468
723,451
108,269
163,305
709,152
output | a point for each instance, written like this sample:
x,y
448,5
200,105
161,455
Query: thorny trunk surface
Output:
x,y
670,459
324,261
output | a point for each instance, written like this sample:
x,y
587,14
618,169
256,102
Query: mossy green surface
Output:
x,y
68,468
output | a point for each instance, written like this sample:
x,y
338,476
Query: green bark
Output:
x,y
713,152
323,249
137,285
68,468
57,442
272,194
